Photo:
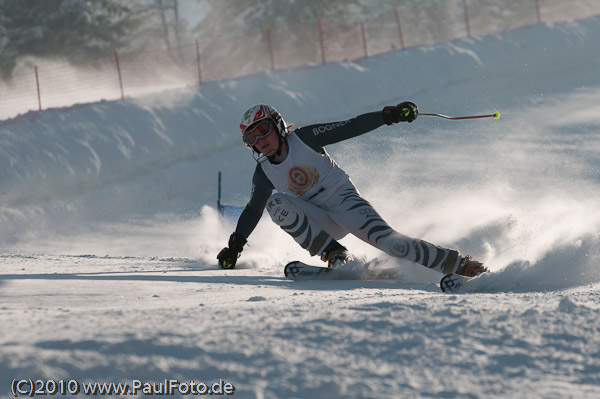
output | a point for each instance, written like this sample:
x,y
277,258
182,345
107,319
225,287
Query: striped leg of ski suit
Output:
x,y
346,212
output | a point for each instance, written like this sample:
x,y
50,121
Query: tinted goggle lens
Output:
x,y
253,134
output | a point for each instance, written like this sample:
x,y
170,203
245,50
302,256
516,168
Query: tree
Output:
x,y
71,29
232,17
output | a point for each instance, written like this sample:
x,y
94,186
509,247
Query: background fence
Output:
x,y
120,75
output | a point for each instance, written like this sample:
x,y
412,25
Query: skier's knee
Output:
x,y
279,208
294,221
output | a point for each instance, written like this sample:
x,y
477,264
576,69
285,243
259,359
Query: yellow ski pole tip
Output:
x,y
496,115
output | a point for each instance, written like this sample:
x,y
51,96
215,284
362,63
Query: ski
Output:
x,y
452,283
297,270
300,271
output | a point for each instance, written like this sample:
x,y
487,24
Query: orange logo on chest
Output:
x,y
302,179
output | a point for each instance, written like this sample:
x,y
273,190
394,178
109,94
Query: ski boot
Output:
x,y
470,268
335,255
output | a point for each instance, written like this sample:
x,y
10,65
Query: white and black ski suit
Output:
x,y
316,201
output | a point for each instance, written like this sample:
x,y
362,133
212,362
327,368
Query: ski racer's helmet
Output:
x,y
261,112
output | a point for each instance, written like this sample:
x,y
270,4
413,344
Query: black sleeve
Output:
x,y
261,191
322,134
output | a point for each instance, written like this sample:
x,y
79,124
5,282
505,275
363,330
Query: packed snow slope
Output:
x,y
109,232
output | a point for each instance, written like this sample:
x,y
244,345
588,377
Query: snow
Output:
x,y
109,232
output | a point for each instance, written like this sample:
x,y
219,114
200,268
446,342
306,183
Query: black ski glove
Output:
x,y
229,255
404,112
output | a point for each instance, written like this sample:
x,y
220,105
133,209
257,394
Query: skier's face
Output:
x,y
257,131
267,144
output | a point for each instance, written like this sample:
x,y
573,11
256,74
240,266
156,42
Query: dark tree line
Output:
x,y
77,30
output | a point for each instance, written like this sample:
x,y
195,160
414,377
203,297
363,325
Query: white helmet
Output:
x,y
260,112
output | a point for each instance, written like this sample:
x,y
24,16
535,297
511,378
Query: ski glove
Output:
x,y
404,112
229,255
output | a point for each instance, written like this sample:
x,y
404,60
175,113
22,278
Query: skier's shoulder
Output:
x,y
307,136
260,180
259,172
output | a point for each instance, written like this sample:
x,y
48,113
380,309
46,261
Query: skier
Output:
x,y
316,202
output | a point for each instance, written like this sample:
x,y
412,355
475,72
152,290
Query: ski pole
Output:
x,y
495,115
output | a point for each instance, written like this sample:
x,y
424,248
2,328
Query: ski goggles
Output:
x,y
259,131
